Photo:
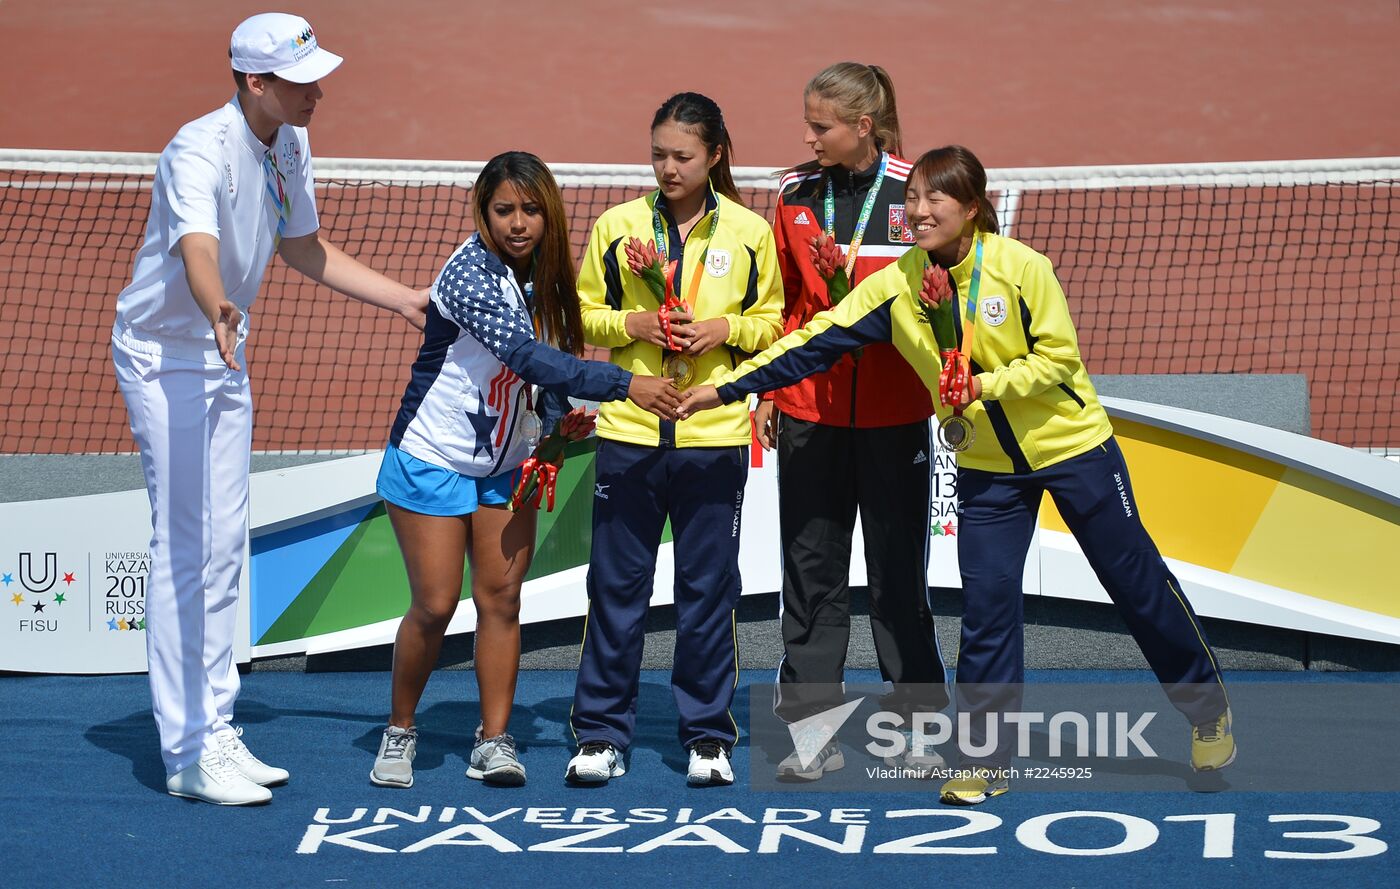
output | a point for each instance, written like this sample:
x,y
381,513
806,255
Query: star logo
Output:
x,y
122,624
38,607
937,530
17,598
68,579
59,598
141,624
950,530
7,579
112,624
483,424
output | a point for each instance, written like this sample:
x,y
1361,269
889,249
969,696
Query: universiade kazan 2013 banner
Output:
x,y
324,571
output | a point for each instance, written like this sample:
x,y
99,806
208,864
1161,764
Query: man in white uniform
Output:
x,y
230,188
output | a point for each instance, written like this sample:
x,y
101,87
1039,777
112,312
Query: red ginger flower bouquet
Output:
x,y
831,265
540,472
645,262
936,299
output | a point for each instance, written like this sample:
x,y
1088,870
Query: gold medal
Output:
x,y
680,368
956,433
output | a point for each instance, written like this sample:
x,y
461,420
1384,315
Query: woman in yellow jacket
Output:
x,y
718,260
1037,427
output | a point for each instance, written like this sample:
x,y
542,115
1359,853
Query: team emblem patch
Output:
x,y
994,310
717,263
900,233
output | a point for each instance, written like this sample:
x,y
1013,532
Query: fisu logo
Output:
x,y
26,572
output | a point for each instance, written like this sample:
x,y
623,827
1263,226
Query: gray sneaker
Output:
x,y
393,767
495,761
828,759
919,759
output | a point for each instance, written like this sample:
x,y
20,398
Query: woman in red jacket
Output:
x,y
856,437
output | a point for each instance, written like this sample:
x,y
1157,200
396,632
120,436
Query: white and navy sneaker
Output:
x,y
232,747
828,759
595,763
215,779
393,767
495,761
709,764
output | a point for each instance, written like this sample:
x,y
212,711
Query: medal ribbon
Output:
x,y
829,208
673,266
970,313
277,194
957,367
664,249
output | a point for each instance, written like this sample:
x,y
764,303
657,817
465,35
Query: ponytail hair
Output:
x,y
555,307
855,91
700,115
958,173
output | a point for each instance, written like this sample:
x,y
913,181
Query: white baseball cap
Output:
x,y
281,44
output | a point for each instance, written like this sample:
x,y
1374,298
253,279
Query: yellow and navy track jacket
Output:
x,y
740,284
1038,406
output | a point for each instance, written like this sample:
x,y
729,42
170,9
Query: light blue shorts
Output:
x,y
422,487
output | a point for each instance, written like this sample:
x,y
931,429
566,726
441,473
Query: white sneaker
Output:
x,y
215,779
232,747
595,763
393,767
709,764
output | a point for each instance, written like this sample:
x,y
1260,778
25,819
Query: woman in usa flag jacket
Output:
x,y
503,319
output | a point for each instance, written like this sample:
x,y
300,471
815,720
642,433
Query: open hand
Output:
x,y
697,399
226,333
655,394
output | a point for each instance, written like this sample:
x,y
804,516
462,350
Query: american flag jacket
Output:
x,y
472,379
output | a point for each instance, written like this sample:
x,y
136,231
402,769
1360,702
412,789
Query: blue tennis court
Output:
x,y
84,805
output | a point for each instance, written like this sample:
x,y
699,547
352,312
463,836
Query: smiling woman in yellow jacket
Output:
x,y
720,259
1038,428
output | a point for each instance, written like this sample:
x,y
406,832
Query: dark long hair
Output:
x,y
555,308
958,173
701,116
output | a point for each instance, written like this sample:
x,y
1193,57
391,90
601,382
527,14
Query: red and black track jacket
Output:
x,y
880,389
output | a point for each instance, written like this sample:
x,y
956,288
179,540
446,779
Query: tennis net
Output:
x,y
1280,267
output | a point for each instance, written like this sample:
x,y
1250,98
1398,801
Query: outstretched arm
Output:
x,y
474,299
327,264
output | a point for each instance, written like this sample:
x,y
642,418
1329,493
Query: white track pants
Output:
x,y
193,425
